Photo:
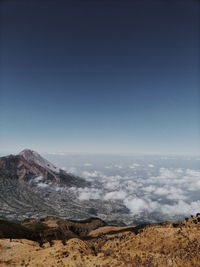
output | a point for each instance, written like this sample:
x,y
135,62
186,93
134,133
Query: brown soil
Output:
x,y
158,245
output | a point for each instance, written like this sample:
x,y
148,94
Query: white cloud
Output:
x,y
167,173
136,205
171,191
151,166
92,174
168,158
179,170
87,164
42,185
88,194
114,195
193,173
70,170
108,167
112,185
118,166
134,165
176,185
182,208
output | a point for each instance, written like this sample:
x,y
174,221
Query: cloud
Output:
x,y
138,205
108,167
193,173
88,194
134,165
92,174
112,185
43,185
151,166
87,164
70,170
182,208
118,166
168,158
114,195
171,191
167,173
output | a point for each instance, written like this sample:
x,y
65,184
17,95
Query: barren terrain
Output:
x,y
163,245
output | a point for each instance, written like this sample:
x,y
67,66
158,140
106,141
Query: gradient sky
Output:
x,y
100,76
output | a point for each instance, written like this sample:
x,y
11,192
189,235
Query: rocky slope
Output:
x,y
29,167
169,244
29,187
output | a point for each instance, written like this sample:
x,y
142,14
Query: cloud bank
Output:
x,y
170,191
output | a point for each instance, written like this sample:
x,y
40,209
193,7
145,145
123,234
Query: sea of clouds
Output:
x,y
169,185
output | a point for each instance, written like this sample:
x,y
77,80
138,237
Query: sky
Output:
x,y
100,76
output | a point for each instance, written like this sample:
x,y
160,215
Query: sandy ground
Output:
x,y
160,246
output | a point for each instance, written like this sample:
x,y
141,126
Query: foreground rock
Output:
x,y
165,244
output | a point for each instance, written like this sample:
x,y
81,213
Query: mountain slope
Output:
x,y
33,157
29,188
169,244
29,165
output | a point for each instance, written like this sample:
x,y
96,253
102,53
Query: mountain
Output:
x,y
29,167
31,186
33,157
55,242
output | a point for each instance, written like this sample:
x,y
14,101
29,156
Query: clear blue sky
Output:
x,y
100,76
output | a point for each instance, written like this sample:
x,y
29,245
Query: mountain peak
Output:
x,y
28,152
33,157
29,166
